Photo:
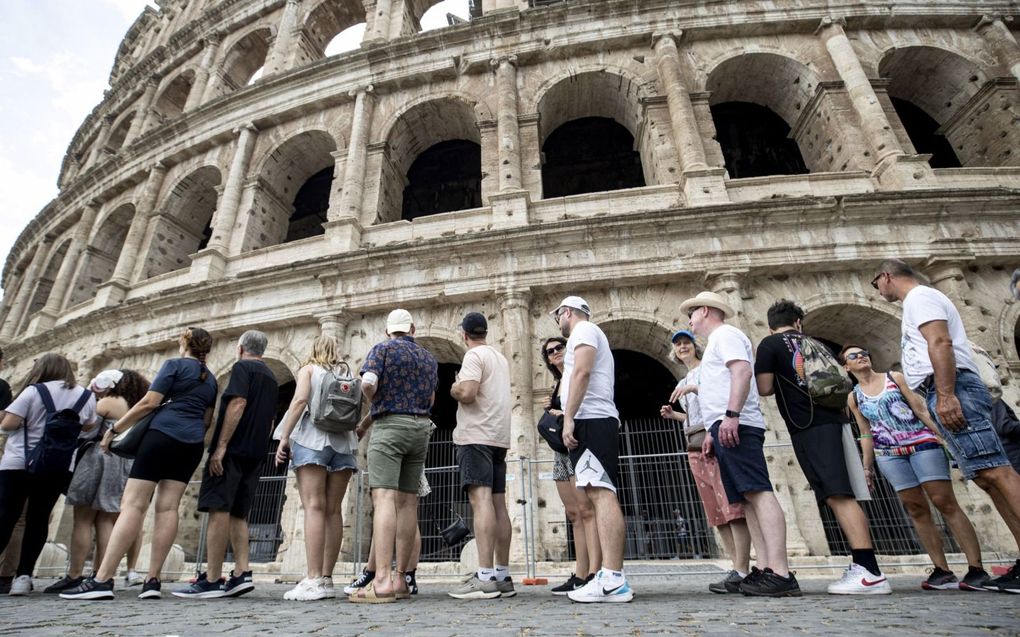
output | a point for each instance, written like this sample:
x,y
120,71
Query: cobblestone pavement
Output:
x,y
661,607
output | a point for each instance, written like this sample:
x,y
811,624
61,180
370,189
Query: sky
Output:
x,y
55,61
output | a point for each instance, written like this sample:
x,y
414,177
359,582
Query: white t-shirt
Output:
x,y
486,421
726,344
29,406
691,402
923,305
598,400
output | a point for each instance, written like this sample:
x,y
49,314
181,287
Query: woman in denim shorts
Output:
x,y
324,463
898,433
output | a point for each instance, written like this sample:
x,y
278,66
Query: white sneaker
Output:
x,y
595,592
327,583
22,585
133,579
307,590
858,580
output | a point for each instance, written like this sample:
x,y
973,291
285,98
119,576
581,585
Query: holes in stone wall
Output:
x,y
444,178
590,154
755,141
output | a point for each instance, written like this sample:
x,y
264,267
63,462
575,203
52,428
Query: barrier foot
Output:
x,y
535,581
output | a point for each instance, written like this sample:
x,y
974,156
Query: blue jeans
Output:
x,y
977,447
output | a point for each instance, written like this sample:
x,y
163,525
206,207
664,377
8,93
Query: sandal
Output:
x,y
367,595
402,594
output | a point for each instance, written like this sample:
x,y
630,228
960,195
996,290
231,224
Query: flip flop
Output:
x,y
367,595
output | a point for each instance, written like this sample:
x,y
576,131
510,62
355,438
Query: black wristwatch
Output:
x,y
732,414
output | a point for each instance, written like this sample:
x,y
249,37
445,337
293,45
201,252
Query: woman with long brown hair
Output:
x,y
51,378
184,392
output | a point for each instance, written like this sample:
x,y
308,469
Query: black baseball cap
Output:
x,y
474,324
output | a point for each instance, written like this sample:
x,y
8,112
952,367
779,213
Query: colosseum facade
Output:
x,y
631,151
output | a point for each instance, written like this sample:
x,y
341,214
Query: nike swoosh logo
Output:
x,y
610,591
875,583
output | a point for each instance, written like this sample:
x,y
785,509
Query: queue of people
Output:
x,y
908,422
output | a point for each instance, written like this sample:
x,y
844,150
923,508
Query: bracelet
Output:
x,y
866,436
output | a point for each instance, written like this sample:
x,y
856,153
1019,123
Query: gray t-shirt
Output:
x,y
30,406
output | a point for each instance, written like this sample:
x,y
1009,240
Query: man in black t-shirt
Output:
x,y
817,436
231,476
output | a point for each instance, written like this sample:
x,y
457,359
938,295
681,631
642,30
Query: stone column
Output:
x,y
508,129
517,346
335,324
994,29
882,143
226,214
211,44
19,307
101,137
344,225
141,120
281,52
378,20
65,276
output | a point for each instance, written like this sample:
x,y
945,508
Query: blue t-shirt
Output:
x,y
408,376
183,418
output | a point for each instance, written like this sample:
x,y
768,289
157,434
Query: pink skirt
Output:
x,y
718,510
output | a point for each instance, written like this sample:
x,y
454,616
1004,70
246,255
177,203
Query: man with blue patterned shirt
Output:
x,y
399,378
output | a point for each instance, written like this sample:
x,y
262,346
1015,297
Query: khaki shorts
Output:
x,y
396,452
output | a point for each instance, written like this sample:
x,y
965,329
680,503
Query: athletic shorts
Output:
x,y
742,468
161,457
482,466
234,490
819,450
597,454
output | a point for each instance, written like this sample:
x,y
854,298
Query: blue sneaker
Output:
x,y
202,588
596,591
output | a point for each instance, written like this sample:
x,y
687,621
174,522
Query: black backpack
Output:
x,y
59,441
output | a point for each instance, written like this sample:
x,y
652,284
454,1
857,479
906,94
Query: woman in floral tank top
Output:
x,y
898,435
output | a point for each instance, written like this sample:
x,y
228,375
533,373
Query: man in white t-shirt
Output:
x,y
591,427
939,364
736,434
482,437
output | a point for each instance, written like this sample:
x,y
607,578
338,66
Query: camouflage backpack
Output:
x,y
827,382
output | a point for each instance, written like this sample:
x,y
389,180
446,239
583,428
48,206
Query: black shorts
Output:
x,y
234,490
597,454
161,457
742,468
819,451
482,466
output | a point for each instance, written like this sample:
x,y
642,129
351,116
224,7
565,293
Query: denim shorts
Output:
x,y
333,460
977,447
907,472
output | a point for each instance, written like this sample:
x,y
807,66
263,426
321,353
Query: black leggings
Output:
x,y
41,493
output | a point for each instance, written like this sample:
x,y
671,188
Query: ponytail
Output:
x,y
198,343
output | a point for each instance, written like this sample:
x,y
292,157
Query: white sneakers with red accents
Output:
x,y
858,580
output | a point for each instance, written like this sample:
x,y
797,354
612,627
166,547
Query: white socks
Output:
x,y
486,574
502,573
612,578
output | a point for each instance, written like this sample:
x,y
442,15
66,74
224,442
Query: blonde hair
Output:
x,y
325,352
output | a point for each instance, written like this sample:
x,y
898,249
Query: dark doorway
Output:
x,y
755,141
444,178
310,205
923,132
591,154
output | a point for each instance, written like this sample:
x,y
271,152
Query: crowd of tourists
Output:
x,y
123,443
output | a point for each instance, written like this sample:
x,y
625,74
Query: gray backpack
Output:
x,y
337,408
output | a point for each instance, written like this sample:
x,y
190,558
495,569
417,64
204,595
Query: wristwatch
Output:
x,y
732,414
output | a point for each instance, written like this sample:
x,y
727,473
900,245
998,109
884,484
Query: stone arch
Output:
x,y
174,95
244,58
119,131
102,252
636,332
964,118
416,10
47,275
182,224
417,128
323,22
1009,333
848,319
292,191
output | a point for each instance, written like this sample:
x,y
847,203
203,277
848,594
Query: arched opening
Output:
x,y
443,14
891,530
415,180
182,225
591,154
938,93
332,27
588,122
171,101
102,253
45,283
119,133
755,141
244,58
292,196
444,178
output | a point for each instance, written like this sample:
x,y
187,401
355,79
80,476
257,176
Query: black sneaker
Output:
x,y
412,585
361,581
940,580
728,584
90,589
202,588
5,584
975,579
63,584
768,584
572,584
151,589
237,585
1008,583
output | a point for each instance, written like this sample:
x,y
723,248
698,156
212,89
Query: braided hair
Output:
x,y
198,342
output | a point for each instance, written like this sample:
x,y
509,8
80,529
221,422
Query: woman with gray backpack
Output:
x,y
317,436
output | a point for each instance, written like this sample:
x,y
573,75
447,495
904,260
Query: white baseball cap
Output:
x,y
574,303
399,321
106,379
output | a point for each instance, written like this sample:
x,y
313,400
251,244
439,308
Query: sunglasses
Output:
x,y
553,350
852,356
874,282
692,311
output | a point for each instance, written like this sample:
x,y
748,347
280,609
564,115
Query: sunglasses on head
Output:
x,y
553,350
852,356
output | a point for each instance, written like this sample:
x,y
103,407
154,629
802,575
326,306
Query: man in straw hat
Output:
x,y
729,406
